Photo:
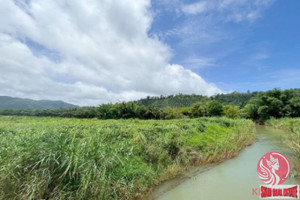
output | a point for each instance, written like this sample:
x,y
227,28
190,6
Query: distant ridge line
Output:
x,y
7,102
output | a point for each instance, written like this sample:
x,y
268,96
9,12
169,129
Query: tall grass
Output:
x,y
53,158
292,137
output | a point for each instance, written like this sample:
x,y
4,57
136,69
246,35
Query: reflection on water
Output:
x,y
235,178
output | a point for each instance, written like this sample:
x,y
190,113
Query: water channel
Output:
x,y
230,180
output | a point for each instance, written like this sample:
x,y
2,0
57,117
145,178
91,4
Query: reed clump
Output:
x,y
291,138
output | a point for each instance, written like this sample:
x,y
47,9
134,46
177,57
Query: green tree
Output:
x,y
274,106
231,111
199,109
250,111
263,113
186,111
295,105
214,108
172,113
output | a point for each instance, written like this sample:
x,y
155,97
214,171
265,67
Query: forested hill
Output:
x,y
182,100
19,103
235,98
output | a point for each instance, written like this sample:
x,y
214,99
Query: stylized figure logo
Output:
x,y
273,168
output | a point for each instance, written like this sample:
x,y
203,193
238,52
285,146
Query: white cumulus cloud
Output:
x,y
87,53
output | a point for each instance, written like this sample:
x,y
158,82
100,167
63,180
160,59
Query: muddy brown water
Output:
x,y
230,180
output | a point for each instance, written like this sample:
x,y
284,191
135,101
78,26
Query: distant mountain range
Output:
x,y
19,103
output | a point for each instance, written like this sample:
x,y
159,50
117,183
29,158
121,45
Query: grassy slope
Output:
x,y
292,139
112,159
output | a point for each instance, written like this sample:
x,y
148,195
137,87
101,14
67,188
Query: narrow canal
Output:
x,y
232,179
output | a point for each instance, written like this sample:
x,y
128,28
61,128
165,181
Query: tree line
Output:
x,y
273,103
134,110
184,100
261,106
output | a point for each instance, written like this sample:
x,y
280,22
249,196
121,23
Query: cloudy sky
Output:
x,y
99,51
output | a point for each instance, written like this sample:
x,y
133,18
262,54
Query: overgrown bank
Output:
x,y
292,138
54,158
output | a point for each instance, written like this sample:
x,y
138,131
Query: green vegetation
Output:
x,y
292,139
235,98
206,108
65,158
61,158
263,105
181,100
231,111
18,103
273,103
199,109
130,110
214,108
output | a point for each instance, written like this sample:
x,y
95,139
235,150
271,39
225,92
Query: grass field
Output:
x,y
292,138
55,158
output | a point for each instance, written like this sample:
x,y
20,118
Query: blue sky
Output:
x,y
237,56
122,50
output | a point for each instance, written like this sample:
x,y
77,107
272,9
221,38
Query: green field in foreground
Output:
x,y
292,136
54,158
